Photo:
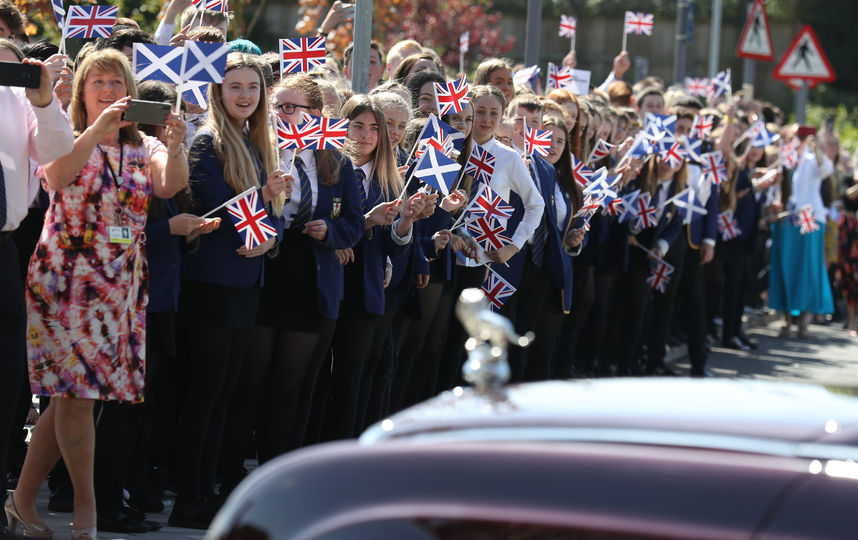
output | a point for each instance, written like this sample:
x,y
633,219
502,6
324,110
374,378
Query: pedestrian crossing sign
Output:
x,y
756,40
805,60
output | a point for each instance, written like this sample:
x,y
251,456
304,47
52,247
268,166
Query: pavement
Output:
x,y
827,357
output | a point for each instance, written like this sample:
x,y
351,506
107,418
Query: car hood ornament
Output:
x,y
490,334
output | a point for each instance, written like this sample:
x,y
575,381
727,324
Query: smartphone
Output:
x,y
17,74
147,112
805,131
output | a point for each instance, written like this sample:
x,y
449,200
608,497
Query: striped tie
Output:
x,y
475,188
540,235
304,212
360,176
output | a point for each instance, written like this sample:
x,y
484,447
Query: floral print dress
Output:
x,y
86,295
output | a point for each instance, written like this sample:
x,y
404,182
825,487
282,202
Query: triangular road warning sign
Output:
x,y
805,59
756,40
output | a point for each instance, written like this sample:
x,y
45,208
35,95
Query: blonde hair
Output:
x,y
385,169
239,170
109,61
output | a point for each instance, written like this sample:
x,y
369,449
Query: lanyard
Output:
x,y
113,174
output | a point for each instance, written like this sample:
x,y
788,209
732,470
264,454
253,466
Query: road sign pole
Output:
x,y
361,38
748,64
534,29
680,52
715,36
801,102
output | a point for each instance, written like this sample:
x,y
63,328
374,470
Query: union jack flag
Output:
x,y
464,42
721,84
702,126
481,164
713,168
439,135
559,77
601,149
659,275
497,290
639,23
213,5
452,96
588,209
90,21
251,220
330,133
697,86
489,205
615,207
297,136
525,75
673,153
537,140
488,236
789,154
806,220
567,26
301,54
728,226
59,11
580,172
645,214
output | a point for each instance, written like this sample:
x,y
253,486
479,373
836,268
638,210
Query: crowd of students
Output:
x,y
346,315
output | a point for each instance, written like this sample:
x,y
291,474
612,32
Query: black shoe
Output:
x,y
61,499
736,344
193,514
121,523
147,502
752,344
660,371
701,372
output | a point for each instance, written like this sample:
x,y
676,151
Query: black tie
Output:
x,y
2,198
305,204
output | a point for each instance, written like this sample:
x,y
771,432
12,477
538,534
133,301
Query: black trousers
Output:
x,y
565,353
531,293
453,356
117,442
13,350
627,319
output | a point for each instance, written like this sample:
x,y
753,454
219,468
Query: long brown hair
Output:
x,y
108,61
239,170
384,169
327,161
561,96
564,165
648,177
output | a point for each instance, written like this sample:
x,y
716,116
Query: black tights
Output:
x,y
415,343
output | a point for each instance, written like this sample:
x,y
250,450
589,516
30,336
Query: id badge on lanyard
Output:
x,y
117,233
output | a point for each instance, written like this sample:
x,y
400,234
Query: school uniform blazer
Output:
x,y
747,212
705,227
215,261
371,256
345,227
668,228
164,255
557,262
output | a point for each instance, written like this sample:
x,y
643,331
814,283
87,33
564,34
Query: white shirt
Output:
x,y
512,176
806,182
367,169
41,133
560,208
702,190
164,33
309,159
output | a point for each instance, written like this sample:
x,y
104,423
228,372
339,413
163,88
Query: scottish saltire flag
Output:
x,y
629,200
559,77
251,220
698,87
686,205
497,290
526,76
713,168
806,221
641,147
580,172
464,42
489,205
90,21
639,23
644,213
204,61
659,275
452,96
761,136
665,124
601,149
728,226
567,26
59,11
301,54
157,62
196,93
213,5
672,152
702,126
481,164
721,84
297,136
692,148
601,186
489,236
537,141
437,170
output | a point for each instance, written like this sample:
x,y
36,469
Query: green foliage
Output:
x,y
843,107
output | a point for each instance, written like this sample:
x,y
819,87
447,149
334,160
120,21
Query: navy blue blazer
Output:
x,y
705,226
747,212
164,255
371,254
215,261
557,262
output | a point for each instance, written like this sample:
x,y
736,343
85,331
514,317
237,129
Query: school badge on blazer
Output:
x,y
336,207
